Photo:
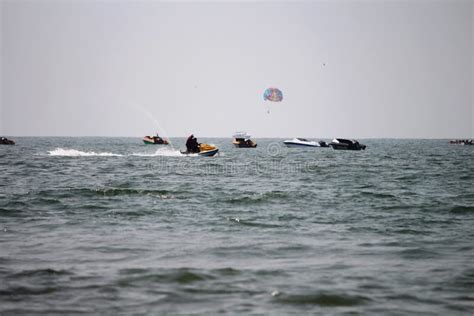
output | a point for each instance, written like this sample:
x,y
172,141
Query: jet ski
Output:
x,y
242,140
204,150
346,144
301,142
154,140
6,141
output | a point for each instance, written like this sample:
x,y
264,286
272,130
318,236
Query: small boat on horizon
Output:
x,y
6,141
242,140
346,144
303,142
155,140
462,142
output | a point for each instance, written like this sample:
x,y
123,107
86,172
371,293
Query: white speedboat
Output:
x,y
301,142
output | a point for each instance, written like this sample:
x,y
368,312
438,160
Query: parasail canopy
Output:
x,y
273,94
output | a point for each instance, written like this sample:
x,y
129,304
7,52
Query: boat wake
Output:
x,y
77,153
160,152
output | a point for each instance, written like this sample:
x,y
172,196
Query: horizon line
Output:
x,y
230,137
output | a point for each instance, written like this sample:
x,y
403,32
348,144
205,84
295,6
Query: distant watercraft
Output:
x,y
303,142
242,140
154,140
346,144
462,142
6,141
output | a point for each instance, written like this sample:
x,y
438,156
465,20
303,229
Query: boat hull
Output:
x,y
204,153
344,147
346,144
300,145
208,153
244,144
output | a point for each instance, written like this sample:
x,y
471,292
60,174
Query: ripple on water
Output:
x,y
252,223
34,282
135,277
121,191
462,209
40,273
419,253
322,299
249,198
463,281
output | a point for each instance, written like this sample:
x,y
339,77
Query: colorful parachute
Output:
x,y
273,94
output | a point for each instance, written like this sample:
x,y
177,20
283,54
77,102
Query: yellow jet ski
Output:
x,y
204,150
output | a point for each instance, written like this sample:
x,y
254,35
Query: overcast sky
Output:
x,y
346,68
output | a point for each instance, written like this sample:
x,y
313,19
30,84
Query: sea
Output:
x,y
111,226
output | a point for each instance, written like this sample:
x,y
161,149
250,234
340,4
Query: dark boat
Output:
x,y
154,140
242,140
323,144
346,144
462,142
6,141
244,143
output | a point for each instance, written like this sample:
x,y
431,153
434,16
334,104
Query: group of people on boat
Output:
x,y
462,142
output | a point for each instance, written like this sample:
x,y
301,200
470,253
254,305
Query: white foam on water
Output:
x,y
77,153
160,152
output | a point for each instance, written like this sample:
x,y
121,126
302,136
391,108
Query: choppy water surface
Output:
x,y
101,225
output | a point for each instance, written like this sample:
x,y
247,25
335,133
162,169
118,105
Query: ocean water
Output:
x,y
111,226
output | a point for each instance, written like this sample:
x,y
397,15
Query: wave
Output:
x,y
323,299
164,194
462,209
255,198
251,223
77,153
41,272
380,195
24,290
181,275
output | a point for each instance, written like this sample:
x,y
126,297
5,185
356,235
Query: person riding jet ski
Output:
x,y
192,145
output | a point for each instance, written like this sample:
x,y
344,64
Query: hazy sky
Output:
x,y
130,68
